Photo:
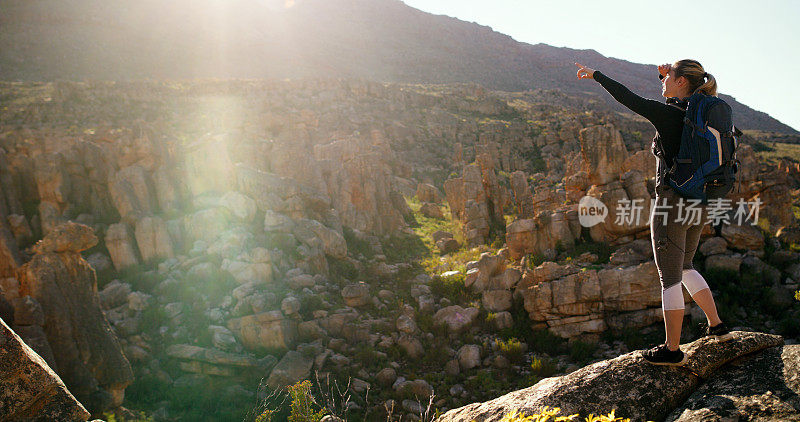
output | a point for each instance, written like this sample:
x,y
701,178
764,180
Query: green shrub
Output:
x,y
265,416
542,340
425,323
356,246
581,351
602,250
534,260
404,248
303,403
634,339
484,382
452,287
341,270
110,417
547,413
512,349
543,366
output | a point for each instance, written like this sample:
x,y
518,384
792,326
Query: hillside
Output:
x,y
380,40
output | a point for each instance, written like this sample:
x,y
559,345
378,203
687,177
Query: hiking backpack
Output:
x,y
706,165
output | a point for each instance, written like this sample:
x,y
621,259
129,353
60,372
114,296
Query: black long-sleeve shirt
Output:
x,y
666,118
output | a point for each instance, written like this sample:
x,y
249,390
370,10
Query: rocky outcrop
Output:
x,y
571,302
358,178
604,153
29,389
523,198
10,259
428,193
627,384
200,360
88,356
628,202
762,386
548,230
477,200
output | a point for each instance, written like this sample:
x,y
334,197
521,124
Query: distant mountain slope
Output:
x,y
382,40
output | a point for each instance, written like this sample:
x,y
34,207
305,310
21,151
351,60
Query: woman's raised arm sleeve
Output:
x,y
644,107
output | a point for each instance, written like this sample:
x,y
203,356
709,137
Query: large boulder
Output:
x,y
762,386
547,230
29,389
265,331
313,233
132,193
208,166
628,384
477,199
200,360
455,318
428,193
153,239
88,356
68,237
743,236
356,294
121,246
523,198
293,367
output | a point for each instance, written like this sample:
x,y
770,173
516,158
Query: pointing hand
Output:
x,y
585,72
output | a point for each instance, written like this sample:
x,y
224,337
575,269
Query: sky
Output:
x,y
751,47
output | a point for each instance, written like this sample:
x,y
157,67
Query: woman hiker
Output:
x,y
674,239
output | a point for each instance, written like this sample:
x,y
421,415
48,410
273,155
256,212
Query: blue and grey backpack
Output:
x,y
706,165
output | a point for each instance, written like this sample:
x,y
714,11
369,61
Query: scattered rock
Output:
x,y
724,262
713,246
469,356
497,300
428,193
293,367
456,318
744,237
266,330
356,294
431,210
411,345
386,376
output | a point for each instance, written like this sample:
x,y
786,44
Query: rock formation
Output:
x,y
88,356
29,389
636,389
476,199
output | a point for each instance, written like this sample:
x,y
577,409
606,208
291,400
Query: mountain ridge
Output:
x,y
382,40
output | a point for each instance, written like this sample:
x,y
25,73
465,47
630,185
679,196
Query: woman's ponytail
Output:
x,y
709,87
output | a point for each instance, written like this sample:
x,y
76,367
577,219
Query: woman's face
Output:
x,y
670,85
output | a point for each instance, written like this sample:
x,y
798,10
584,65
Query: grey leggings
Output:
x,y
674,243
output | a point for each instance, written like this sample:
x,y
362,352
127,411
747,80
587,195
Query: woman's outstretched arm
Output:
x,y
645,107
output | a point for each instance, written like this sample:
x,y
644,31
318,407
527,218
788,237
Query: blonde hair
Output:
x,y
699,80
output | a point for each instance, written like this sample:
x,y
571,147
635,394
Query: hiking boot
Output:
x,y
661,355
720,332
